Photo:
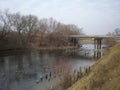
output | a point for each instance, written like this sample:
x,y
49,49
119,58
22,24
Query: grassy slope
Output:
x,y
105,74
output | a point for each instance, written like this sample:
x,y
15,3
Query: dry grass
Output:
x,y
105,74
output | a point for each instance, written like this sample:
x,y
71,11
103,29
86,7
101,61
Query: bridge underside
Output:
x,y
97,42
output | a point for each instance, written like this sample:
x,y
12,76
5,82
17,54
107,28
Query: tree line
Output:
x,y
21,31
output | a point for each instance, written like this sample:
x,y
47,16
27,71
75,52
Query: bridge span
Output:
x,y
95,36
97,42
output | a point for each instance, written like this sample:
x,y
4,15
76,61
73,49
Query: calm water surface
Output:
x,y
24,71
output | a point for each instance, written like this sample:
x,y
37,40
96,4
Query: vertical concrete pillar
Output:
x,y
97,47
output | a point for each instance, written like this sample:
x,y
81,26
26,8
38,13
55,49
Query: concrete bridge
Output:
x,y
95,36
97,41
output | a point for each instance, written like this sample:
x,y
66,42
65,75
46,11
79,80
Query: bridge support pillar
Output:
x,y
97,47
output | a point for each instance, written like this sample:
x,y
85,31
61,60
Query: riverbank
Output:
x,y
104,75
13,51
55,48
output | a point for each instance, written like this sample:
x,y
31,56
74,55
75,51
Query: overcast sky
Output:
x,y
94,16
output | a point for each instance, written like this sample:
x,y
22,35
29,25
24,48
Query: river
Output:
x,y
24,71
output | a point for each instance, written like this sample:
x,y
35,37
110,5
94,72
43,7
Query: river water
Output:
x,y
24,71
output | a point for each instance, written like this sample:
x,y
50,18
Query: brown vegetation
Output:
x,y
69,78
66,76
24,31
104,75
109,42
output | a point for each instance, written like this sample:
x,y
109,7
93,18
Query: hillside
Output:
x,y
104,75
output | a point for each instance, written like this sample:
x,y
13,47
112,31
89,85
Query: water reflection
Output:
x,y
87,50
22,72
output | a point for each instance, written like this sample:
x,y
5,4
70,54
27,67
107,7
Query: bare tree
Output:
x,y
28,29
117,31
24,26
4,24
43,30
18,26
31,26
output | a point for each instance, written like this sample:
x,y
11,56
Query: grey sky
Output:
x,y
94,16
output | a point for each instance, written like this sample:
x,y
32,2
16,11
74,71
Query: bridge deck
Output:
x,y
95,36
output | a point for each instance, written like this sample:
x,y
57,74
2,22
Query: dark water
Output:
x,y
23,72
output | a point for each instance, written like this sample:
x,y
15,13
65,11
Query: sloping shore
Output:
x,y
104,75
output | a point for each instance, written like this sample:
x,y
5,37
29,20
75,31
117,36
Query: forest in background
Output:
x,y
26,31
